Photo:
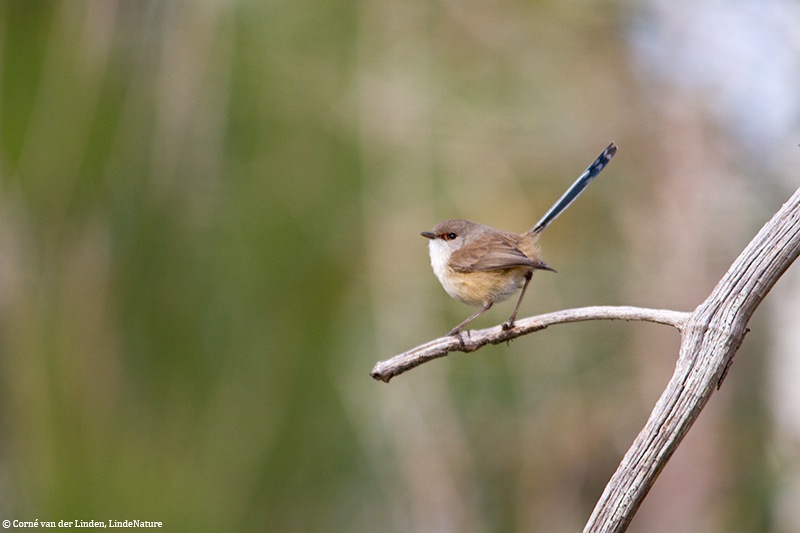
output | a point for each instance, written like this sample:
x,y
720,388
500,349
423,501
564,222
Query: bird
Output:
x,y
480,266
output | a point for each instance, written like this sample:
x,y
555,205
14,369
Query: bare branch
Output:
x,y
473,340
709,341
710,336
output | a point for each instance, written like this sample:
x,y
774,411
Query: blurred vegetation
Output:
x,y
209,218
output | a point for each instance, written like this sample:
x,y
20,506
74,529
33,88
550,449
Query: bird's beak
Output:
x,y
428,235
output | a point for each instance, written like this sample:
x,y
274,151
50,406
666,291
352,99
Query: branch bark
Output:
x,y
710,337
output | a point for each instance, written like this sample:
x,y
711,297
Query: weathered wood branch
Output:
x,y
709,341
710,337
473,340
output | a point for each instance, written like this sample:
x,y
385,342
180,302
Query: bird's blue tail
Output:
x,y
576,188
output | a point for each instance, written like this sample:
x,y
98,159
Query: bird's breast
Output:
x,y
474,288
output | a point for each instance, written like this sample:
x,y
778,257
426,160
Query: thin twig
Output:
x,y
472,340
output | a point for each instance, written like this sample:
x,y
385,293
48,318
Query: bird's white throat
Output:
x,y
440,256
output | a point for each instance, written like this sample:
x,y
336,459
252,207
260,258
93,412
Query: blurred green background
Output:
x,y
209,233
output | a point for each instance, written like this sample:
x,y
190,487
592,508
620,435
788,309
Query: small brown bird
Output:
x,y
480,266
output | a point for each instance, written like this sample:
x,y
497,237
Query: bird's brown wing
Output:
x,y
494,255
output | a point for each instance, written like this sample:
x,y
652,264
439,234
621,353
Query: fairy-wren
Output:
x,y
480,266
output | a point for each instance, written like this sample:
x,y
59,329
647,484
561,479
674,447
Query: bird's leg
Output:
x,y
508,324
470,319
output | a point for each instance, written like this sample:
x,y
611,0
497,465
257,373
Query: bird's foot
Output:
x,y
457,334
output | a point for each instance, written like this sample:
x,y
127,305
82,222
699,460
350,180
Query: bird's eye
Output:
x,y
451,236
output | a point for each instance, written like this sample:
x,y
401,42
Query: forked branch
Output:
x,y
710,336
